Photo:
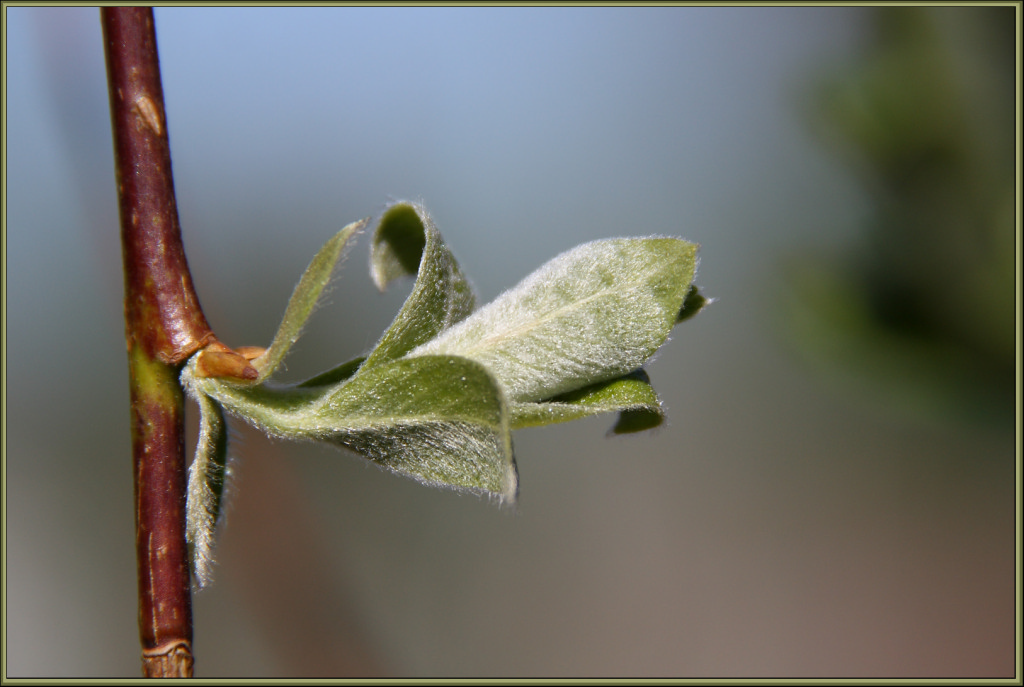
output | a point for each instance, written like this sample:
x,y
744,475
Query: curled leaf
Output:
x,y
406,242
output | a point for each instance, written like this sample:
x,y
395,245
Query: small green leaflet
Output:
x,y
304,299
437,397
206,481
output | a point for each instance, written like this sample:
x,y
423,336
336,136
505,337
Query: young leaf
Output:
x,y
438,396
441,420
630,395
304,299
206,481
592,314
406,242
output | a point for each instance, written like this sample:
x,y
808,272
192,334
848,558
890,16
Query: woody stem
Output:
x,y
164,325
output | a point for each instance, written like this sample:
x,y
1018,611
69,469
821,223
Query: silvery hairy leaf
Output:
x,y
592,314
438,395
441,420
207,477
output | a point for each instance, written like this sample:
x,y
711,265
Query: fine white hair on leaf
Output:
x,y
208,478
593,313
454,455
305,298
406,242
440,420
438,396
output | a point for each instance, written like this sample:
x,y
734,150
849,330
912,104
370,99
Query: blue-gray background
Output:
x,y
774,527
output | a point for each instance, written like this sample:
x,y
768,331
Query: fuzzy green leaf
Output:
x,y
437,397
206,481
406,243
592,314
441,420
632,396
304,299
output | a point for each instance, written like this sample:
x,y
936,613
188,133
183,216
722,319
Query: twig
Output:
x,y
164,326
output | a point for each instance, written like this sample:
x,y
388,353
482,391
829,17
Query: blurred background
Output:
x,y
834,492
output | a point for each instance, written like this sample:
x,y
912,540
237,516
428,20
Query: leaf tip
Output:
x,y
398,243
639,420
692,304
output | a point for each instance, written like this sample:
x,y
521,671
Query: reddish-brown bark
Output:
x,y
164,325
161,309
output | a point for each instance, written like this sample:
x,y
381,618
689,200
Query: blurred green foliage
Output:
x,y
921,314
